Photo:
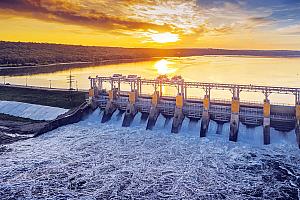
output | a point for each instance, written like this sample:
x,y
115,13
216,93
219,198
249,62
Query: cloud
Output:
x,y
290,30
257,22
219,3
79,14
139,18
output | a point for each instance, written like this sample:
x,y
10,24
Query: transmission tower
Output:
x,y
70,80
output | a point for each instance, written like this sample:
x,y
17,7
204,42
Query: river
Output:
x,y
90,160
220,69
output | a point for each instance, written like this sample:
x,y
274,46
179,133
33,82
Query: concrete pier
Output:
x,y
144,117
297,128
178,114
110,107
267,121
205,117
154,111
130,110
92,95
234,119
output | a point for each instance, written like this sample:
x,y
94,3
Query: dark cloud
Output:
x,y
261,20
66,12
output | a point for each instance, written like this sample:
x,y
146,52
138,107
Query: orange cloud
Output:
x,y
66,12
146,23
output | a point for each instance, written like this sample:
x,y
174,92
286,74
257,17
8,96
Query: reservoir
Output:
x,y
268,71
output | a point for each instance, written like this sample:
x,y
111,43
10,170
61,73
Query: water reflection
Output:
x,y
220,69
163,67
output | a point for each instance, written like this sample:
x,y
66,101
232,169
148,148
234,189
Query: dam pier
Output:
x,y
113,97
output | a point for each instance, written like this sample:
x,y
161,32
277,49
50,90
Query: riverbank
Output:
x,y
14,128
47,97
50,68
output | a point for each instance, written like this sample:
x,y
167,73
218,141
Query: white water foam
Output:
x,y
90,160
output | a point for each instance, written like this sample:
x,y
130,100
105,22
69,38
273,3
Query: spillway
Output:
x,y
191,128
92,160
247,120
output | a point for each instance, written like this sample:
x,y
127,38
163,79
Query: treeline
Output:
x,y
30,54
20,53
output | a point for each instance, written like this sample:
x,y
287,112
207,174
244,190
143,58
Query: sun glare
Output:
x,y
165,37
163,68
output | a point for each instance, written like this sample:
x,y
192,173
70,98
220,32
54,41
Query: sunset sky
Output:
x,y
234,24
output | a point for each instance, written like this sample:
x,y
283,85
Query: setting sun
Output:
x,y
165,37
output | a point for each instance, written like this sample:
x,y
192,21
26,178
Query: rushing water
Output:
x,y
90,160
220,69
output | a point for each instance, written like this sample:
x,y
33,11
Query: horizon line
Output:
x,y
156,48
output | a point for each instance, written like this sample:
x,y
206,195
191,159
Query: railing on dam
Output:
x,y
234,111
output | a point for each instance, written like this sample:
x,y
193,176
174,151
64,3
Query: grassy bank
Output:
x,y
43,97
37,69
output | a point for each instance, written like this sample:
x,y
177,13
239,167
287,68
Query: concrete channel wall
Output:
x,y
73,116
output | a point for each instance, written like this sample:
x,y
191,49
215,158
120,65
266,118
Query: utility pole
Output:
x,y
70,80
50,84
26,80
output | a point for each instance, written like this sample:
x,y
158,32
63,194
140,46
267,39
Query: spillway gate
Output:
x,y
281,117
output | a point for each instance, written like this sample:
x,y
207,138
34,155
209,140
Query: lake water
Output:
x,y
218,69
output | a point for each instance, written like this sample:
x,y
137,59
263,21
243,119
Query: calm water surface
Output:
x,y
219,69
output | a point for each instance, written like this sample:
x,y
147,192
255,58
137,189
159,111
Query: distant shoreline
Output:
x,y
54,67
20,58
49,68
124,60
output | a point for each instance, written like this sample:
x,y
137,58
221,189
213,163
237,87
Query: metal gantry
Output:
x,y
182,86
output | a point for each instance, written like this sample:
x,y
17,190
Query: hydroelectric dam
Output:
x,y
283,118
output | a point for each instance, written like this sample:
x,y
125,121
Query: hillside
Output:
x,y
13,54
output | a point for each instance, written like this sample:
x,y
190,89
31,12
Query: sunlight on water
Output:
x,y
163,67
219,69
